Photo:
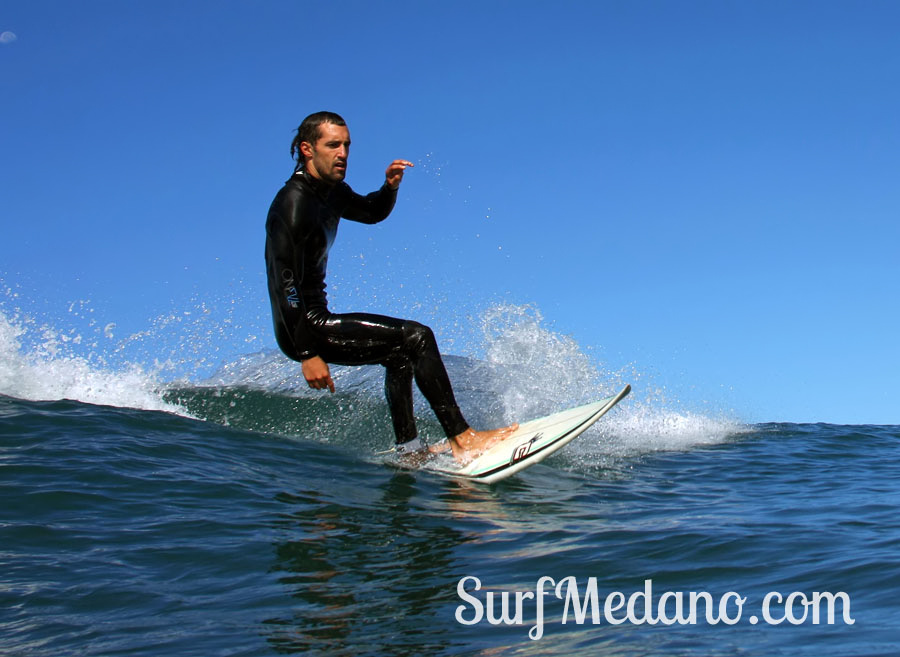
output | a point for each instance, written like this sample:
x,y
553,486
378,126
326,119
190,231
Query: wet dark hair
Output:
x,y
309,131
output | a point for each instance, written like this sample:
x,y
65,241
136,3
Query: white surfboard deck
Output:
x,y
533,442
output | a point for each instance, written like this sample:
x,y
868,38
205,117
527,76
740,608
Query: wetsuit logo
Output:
x,y
523,450
290,290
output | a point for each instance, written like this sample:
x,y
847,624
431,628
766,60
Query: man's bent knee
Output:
x,y
418,338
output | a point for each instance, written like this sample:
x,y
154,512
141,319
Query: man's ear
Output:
x,y
306,150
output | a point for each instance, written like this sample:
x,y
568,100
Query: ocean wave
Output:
x,y
526,371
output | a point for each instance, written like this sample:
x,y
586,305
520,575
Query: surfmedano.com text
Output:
x,y
582,604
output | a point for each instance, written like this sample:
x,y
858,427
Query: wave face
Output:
x,y
524,371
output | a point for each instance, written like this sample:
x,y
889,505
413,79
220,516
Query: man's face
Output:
x,y
329,154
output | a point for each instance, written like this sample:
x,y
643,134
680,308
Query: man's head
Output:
x,y
322,146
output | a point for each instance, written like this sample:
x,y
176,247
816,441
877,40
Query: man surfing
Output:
x,y
300,229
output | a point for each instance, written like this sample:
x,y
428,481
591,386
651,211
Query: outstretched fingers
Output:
x,y
394,173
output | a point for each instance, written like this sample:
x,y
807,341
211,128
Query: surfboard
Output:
x,y
532,442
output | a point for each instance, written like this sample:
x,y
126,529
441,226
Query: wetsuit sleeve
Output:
x,y
286,236
369,209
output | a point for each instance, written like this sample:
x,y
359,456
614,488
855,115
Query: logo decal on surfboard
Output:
x,y
521,451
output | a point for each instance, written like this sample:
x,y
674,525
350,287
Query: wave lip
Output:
x,y
525,371
51,371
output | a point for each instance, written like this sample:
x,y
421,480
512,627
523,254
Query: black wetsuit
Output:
x,y
300,230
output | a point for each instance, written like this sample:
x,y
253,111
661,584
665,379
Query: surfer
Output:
x,y
300,229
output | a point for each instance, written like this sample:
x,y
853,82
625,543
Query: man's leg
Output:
x,y
398,380
408,350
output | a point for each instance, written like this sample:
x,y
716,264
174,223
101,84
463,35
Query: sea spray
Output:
x,y
52,371
546,371
189,361
538,371
70,351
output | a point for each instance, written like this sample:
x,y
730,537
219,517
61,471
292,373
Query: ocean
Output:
x,y
239,513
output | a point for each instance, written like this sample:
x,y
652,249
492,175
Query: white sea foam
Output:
x,y
50,370
73,353
527,370
547,372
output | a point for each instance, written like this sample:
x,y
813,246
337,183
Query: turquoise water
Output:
x,y
243,515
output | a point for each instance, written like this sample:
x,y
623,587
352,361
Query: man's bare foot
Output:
x,y
471,444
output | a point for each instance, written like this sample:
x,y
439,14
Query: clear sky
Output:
x,y
705,191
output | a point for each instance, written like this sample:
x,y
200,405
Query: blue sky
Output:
x,y
704,191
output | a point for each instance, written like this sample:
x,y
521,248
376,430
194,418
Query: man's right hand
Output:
x,y
317,374
394,173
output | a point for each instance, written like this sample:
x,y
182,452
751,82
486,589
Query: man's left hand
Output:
x,y
394,173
